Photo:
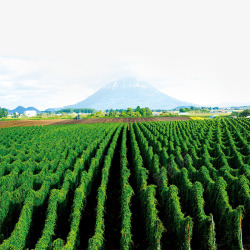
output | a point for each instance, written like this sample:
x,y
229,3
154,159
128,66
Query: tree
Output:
x,y
16,115
123,113
245,113
3,112
148,112
99,114
111,113
137,114
143,112
130,112
138,109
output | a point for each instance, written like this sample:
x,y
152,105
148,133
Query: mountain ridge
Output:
x,y
21,110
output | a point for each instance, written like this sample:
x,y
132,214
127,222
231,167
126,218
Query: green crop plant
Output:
x,y
188,182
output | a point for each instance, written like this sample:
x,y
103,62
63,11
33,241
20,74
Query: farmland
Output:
x,y
25,122
140,185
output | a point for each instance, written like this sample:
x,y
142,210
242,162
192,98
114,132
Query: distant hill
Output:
x,y
21,110
129,92
52,109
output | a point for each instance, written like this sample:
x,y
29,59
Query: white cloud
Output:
x,y
62,51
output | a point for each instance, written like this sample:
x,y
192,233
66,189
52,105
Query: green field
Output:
x,y
148,185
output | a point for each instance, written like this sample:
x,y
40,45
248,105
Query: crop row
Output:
x,y
188,182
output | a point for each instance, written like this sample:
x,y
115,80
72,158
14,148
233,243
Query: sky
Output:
x,y
57,53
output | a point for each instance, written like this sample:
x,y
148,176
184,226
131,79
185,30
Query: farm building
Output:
x,y
30,113
156,113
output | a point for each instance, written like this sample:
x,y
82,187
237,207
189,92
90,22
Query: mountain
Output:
x,y
52,109
126,93
20,110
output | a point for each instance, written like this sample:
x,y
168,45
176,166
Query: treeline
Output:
x,y
81,110
129,112
200,109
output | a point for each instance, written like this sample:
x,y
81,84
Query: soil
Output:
x,y
20,123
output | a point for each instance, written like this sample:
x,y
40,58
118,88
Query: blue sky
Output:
x,y
57,53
